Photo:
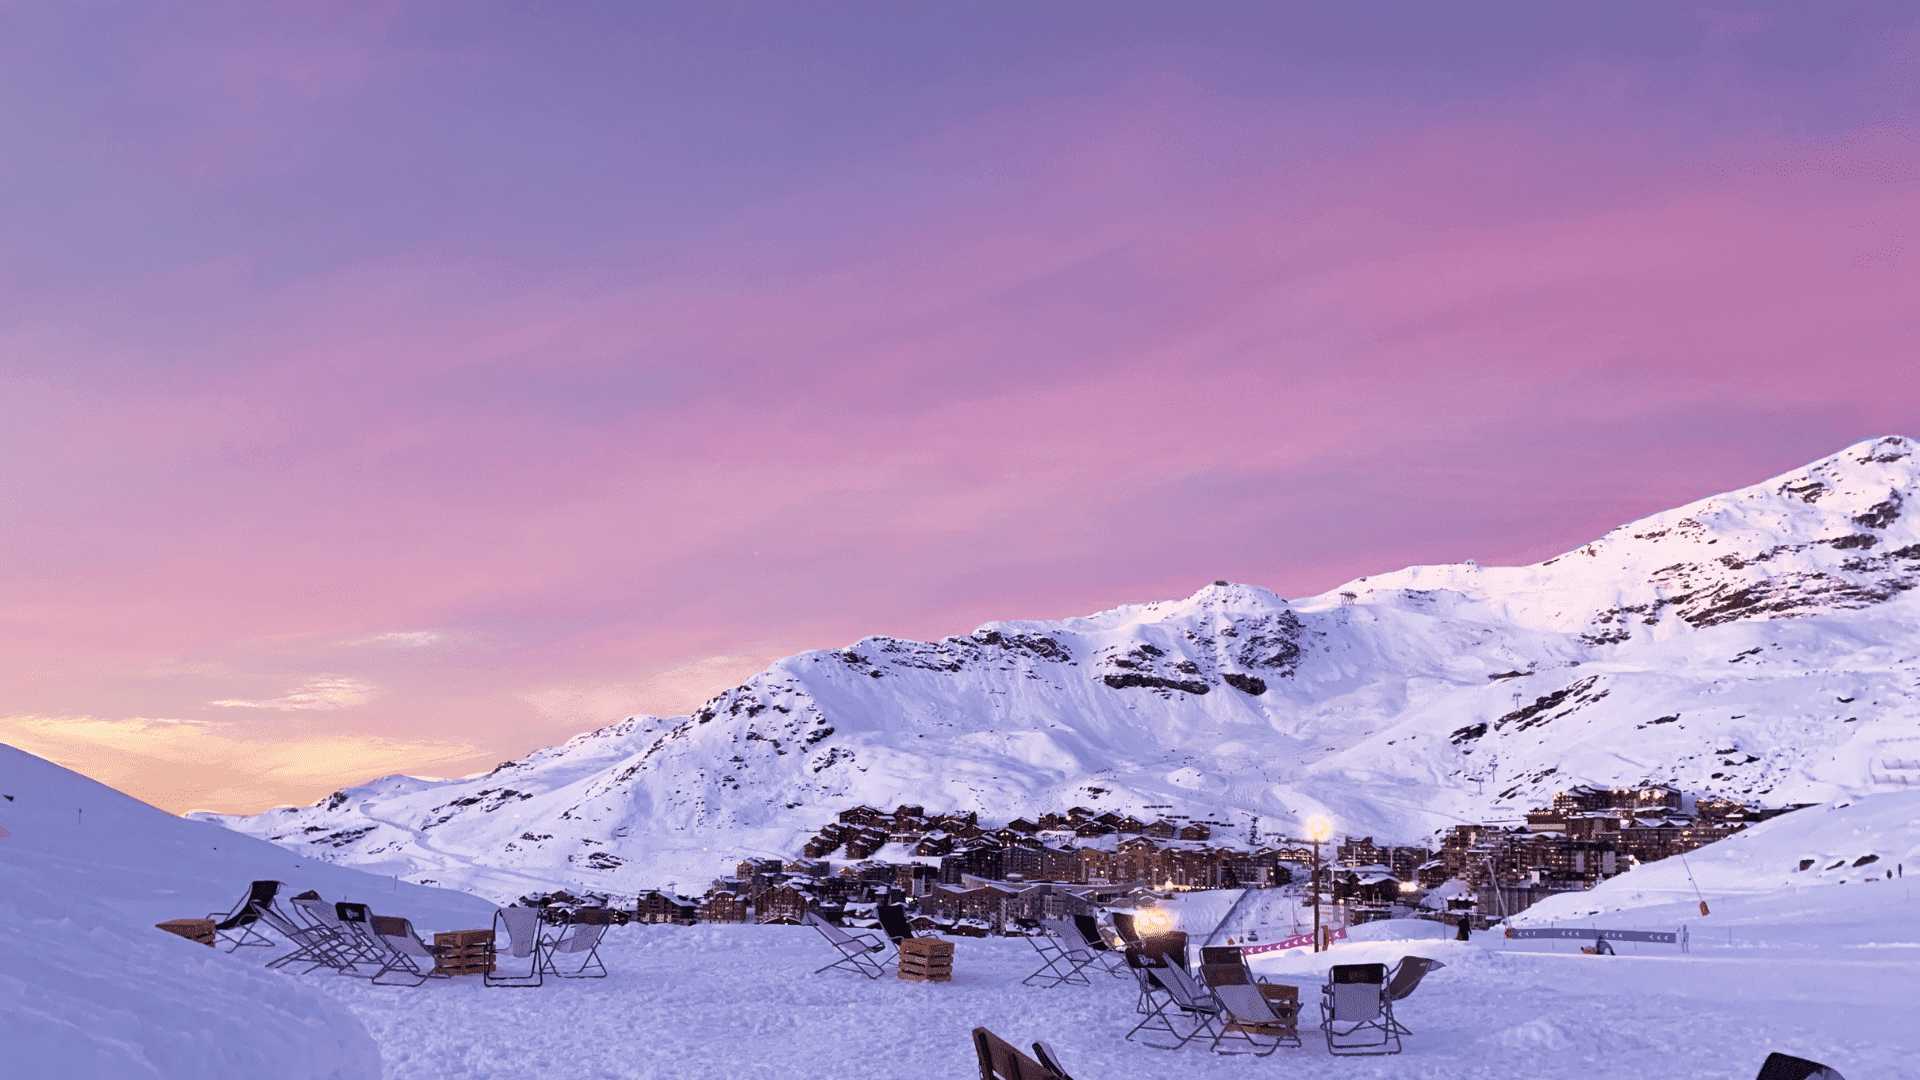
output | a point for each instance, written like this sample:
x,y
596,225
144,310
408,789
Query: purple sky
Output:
x,y
404,391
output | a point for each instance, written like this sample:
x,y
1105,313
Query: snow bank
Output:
x,y
1853,841
88,986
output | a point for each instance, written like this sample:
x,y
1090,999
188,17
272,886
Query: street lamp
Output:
x,y
1318,829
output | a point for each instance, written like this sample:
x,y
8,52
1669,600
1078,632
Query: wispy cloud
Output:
x,y
401,639
318,694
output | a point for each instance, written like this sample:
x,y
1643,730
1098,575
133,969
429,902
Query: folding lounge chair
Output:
x,y
581,938
240,926
1123,926
312,945
345,945
522,925
856,949
1247,1013
1780,1066
1001,1060
1049,1060
1402,979
1062,955
894,923
1183,996
1109,957
408,961
1354,1008
355,923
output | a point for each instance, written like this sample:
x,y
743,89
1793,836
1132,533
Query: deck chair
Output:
x,y
1354,1008
408,960
856,949
1049,1060
1402,979
1183,997
1780,1066
893,922
241,926
522,925
1001,1060
1247,1014
1123,926
580,937
347,947
1110,958
1062,955
312,945
356,925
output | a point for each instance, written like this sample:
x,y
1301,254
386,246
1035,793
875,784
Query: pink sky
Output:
x,y
403,393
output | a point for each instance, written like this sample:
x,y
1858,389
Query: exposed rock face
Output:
x,y
1760,644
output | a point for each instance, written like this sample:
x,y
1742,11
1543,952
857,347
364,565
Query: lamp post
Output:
x,y
1318,829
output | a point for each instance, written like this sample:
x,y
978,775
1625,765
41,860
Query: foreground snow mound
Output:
x,y
1759,645
88,987
1857,841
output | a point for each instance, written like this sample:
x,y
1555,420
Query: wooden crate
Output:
x,y
200,930
926,960
463,952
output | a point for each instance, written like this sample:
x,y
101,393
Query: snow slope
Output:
x,y
1759,644
1797,860
88,987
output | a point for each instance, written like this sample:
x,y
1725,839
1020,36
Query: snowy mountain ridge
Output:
x,y
1759,644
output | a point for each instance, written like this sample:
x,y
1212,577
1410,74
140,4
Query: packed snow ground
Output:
x,y
739,1001
89,989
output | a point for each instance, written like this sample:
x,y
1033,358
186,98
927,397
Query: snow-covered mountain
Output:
x,y
1759,644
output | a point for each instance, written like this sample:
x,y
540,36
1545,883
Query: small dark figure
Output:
x,y
1466,929
1602,947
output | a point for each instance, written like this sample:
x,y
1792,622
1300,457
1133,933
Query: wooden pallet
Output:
x,y
463,952
926,960
200,930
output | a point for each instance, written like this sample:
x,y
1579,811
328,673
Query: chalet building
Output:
x,y
1022,826
1194,831
782,904
1583,798
749,869
1160,830
655,906
1656,797
867,817
723,906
